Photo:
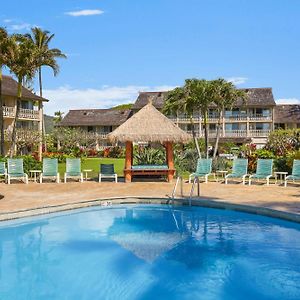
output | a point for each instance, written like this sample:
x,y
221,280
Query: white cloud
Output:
x,y
21,26
288,101
7,20
85,12
237,80
65,98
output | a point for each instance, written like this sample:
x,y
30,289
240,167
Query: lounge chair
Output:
x,y
50,169
107,171
295,172
3,171
16,170
263,170
73,169
204,167
239,170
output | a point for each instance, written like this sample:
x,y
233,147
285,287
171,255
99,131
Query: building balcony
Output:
x,y
24,114
227,119
235,133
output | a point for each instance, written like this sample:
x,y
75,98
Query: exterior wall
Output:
x,y
30,117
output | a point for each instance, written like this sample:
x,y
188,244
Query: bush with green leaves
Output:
x,y
281,142
148,156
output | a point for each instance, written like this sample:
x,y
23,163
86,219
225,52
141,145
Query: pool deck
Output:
x,y
20,197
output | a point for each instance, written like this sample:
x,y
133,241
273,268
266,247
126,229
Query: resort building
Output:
x,y
98,121
30,114
248,121
287,116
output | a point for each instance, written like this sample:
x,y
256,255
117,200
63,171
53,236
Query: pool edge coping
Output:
x,y
107,201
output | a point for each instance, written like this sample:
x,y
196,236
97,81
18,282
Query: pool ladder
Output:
x,y
180,180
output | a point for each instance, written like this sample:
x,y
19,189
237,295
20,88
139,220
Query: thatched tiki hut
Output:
x,y
149,125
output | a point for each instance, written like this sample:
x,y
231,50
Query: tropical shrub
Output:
x,y
254,156
280,142
113,152
149,156
59,155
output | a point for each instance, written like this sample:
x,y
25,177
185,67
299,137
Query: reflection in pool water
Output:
x,y
150,252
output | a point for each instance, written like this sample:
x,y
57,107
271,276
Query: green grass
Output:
x,y
94,163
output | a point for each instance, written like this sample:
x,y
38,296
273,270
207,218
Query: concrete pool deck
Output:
x,y
16,198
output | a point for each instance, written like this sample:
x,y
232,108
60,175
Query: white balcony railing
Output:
x,y
234,133
28,114
24,113
8,111
215,119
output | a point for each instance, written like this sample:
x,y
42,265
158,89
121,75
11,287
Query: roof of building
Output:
x,y
10,88
95,117
287,113
149,125
256,97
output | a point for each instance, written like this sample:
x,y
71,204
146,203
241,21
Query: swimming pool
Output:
x,y
149,252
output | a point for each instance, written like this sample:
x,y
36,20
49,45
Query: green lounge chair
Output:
x,y
3,171
107,171
204,167
50,169
16,170
263,170
73,169
239,170
295,172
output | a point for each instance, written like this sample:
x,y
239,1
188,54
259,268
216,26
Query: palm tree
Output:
x,y
58,116
23,62
46,56
5,47
199,98
177,100
224,95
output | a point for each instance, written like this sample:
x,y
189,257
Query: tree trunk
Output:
x,y
14,132
1,117
43,119
217,136
206,134
195,138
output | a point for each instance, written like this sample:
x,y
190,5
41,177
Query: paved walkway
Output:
x,y
17,197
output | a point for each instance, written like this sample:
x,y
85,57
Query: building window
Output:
x,y
90,128
232,126
106,129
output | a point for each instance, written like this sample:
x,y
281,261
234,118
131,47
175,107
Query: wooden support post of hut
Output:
x,y
149,125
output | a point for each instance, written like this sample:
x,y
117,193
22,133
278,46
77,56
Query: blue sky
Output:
x,y
117,48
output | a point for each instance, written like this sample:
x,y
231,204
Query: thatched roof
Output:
x,y
149,125
256,97
95,117
10,88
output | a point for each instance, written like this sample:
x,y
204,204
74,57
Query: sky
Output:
x,y
117,48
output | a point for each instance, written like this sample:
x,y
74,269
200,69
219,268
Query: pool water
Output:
x,y
149,252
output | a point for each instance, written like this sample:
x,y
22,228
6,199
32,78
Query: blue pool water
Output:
x,y
150,252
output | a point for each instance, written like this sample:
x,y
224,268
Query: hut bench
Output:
x,y
149,170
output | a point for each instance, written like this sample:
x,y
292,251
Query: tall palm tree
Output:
x,y
23,63
5,48
177,100
224,96
46,56
199,98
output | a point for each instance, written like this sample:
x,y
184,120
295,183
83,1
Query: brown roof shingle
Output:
x,y
10,88
287,113
256,97
95,117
